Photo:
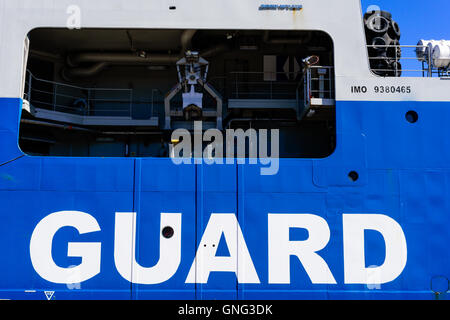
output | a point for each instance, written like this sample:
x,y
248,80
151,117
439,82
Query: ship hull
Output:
x,y
403,174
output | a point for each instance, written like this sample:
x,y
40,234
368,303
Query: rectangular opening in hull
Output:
x,y
122,93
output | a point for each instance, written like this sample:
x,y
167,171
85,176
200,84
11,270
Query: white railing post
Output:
x,y
430,67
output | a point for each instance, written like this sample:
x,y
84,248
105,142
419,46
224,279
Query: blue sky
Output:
x,y
417,19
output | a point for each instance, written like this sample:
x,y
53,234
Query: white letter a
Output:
x,y
239,260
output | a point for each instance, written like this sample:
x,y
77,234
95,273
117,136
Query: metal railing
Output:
x,y
315,82
55,96
264,85
319,83
412,64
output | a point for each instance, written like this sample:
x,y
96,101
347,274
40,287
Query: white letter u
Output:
x,y
125,250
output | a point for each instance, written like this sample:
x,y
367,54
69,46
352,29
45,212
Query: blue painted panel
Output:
x,y
293,176
32,188
22,210
254,210
394,143
426,232
162,187
216,193
162,175
9,127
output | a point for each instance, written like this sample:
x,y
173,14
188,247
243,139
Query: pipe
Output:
x,y
131,57
55,125
69,127
211,52
45,55
103,60
68,73
186,40
132,133
152,59
121,58
34,139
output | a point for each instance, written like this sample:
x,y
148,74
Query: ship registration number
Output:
x,y
382,89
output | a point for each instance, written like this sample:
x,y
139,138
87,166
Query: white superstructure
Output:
x,y
342,20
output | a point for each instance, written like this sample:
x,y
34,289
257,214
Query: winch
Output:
x,y
192,79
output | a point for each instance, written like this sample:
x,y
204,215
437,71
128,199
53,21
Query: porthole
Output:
x,y
353,176
412,117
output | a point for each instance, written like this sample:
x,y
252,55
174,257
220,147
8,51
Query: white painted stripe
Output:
x,y
411,89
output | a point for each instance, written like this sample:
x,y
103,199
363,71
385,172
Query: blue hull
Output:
x,y
404,173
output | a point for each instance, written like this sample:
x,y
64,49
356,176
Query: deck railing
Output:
x,y
56,96
319,83
264,85
415,61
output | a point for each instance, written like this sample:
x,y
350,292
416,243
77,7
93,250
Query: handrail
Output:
x,y
421,56
316,82
74,87
316,87
91,101
269,86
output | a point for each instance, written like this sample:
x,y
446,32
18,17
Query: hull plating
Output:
x,y
404,173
